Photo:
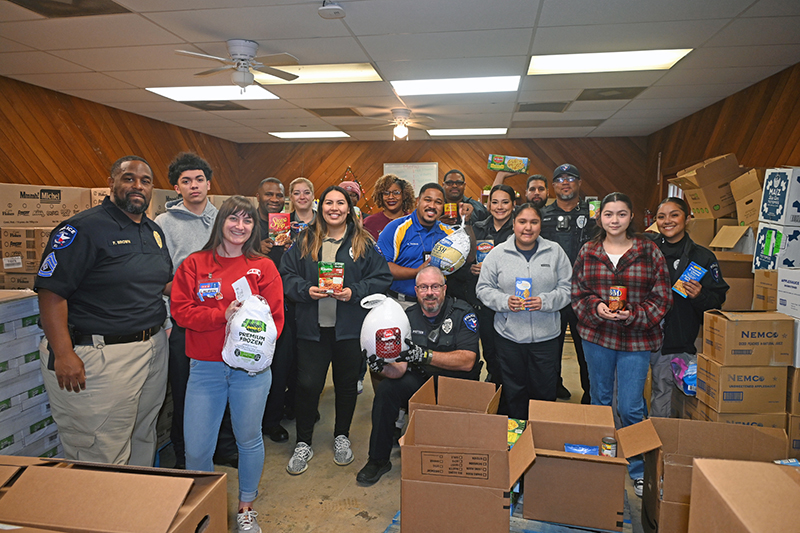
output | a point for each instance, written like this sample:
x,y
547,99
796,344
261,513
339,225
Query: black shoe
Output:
x,y
562,393
276,433
232,461
372,471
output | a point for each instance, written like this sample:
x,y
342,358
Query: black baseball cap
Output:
x,y
568,169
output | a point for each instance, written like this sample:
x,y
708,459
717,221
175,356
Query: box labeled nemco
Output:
x,y
40,206
780,202
741,389
748,338
701,411
776,246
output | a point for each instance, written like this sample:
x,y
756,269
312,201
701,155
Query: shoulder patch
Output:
x,y
63,237
714,269
471,321
48,265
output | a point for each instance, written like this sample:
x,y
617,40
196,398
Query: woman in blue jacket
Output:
x,y
329,324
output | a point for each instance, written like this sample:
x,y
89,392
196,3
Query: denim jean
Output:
x,y
630,370
211,386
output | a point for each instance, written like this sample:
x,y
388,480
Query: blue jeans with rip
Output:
x,y
630,370
211,386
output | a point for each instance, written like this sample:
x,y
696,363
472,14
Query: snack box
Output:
x,y
331,276
508,163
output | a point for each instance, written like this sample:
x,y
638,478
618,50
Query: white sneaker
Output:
x,y
360,386
299,461
342,454
638,486
246,522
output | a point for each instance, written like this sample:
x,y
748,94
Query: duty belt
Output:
x,y
81,339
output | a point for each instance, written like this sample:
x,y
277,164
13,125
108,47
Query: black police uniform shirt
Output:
x,y
454,328
111,270
570,229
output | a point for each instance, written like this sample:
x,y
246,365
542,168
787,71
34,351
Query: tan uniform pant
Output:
x,y
114,420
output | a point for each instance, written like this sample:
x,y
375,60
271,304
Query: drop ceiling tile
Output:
x,y
599,80
583,12
742,56
555,95
332,90
87,32
112,96
715,76
292,124
376,102
309,51
145,6
160,57
475,120
266,105
655,123
447,45
423,69
596,105
150,107
12,12
697,91
7,45
173,117
35,63
548,133
755,31
381,135
672,103
617,37
773,8
420,103
568,115
182,77
252,117
625,131
673,114
72,80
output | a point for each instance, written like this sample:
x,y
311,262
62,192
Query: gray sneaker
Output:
x,y
246,522
299,461
342,454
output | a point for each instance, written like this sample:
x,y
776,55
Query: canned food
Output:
x,y
450,210
608,447
618,298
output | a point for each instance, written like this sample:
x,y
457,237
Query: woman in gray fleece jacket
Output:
x,y
527,324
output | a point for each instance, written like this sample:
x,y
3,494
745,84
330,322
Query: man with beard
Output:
x,y
470,209
444,342
535,188
104,355
567,222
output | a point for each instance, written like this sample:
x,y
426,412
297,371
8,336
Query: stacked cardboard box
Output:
x,y
778,238
158,202
707,186
747,191
765,290
22,248
788,301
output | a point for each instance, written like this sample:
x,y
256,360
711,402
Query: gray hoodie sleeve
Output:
x,y
488,289
558,298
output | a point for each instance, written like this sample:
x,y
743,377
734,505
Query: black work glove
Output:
x,y
416,354
375,363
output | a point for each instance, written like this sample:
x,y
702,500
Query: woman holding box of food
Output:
x,y
525,280
620,293
329,316
697,287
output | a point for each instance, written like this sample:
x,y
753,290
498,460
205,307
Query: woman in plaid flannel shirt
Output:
x,y
618,343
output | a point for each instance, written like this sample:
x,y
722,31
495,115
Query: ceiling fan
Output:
x,y
401,121
243,62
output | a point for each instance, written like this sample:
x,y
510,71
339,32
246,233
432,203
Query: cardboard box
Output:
x,y
706,186
135,499
99,194
740,294
748,338
747,210
703,230
741,389
793,430
776,246
788,291
40,206
558,479
463,395
748,183
738,239
793,392
23,248
744,497
780,203
459,462
701,411
765,290
670,445
158,201
17,281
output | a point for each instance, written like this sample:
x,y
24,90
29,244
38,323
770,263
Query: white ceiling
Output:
x,y
110,59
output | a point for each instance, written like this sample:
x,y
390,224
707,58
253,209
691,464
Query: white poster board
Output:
x,y
417,174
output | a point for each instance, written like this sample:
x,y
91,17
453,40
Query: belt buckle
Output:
x,y
145,334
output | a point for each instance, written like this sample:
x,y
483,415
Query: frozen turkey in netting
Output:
x,y
385,328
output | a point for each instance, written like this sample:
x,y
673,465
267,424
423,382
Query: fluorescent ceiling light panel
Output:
x,y
493,84
342,73
606,62
308,134
467,131
211,93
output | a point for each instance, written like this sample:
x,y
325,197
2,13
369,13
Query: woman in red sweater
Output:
x,y
203,299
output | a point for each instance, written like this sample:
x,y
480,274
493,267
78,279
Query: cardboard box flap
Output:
x,y
469,430
581,457
736,316
521,456
101,501
707,172
747,184
7,472
556,423
637,439
425,395
729,236
466,394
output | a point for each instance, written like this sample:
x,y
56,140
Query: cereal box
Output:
x,y
508,163
693,272
331,277
483,248
523,287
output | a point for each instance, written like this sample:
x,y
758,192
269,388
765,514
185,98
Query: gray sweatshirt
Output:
x,y
551,274
186,232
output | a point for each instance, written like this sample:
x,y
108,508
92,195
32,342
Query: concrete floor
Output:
x,y
326,498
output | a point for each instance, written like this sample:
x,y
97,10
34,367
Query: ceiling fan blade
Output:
x,y
277,60
215,71
277,73
204,56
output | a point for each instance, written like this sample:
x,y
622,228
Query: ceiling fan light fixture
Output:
x,y
242,78
400,131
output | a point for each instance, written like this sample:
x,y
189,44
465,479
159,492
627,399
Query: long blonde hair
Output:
x,y
311,239
297,181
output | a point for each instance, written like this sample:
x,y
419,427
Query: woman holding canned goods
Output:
x,y
620,293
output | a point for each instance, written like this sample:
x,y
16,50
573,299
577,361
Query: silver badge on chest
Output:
x,y
447,325
581,221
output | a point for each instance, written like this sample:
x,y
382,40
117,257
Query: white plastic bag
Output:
x,y
385,328
250,336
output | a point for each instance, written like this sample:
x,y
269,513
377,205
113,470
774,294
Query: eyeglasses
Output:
x,y
451,183
436,287
562,179
396,194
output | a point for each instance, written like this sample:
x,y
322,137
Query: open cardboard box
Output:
x,y
91,497
744,497
707,188
455,394
570,488
737,239
670,445
457,472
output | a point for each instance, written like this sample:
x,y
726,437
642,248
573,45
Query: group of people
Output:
x,y
107,273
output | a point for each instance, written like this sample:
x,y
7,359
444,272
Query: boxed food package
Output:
x,y
748,338
670,445
463,395
741,389
22,248
780,202
701,411
331,276
765,290
558,479
459,462
744,497
776,246
40,206
507,163
707,188
738,239
279,228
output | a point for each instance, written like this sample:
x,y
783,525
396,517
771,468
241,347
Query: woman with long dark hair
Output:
x,y
203,299
620,293
329,322
395,197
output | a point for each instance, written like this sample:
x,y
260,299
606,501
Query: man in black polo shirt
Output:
x,y
105,353
454,184
567,222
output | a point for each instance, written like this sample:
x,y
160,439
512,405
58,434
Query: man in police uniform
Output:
x,y
566,221
454,185
444,342
105,352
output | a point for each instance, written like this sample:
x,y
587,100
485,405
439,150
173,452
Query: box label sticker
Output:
x,y
466,465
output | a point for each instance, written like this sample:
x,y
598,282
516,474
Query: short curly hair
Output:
x,y
385,182
187,161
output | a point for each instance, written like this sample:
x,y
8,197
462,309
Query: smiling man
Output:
x,y
407,242
454,186
104,355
